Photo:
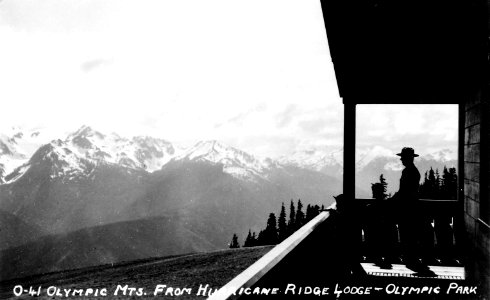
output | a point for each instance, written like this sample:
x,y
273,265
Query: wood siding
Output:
x,y
477,187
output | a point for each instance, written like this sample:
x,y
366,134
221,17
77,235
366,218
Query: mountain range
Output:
x,y
369,165
82,195
91,198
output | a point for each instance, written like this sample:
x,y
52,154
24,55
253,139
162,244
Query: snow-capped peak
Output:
x,y
235,162
84,137
327,160
312,158
153,153
18,145
80,149
443,155
145,153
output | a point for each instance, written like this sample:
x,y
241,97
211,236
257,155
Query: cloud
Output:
x,y
94,64
53,15
322,120
266,145
285,117
188,72
427,128
315,125
367,154
240,118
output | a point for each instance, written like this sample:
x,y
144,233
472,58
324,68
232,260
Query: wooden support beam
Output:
x,y
459,230
349,184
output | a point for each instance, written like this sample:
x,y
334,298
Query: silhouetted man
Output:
x,y
408,213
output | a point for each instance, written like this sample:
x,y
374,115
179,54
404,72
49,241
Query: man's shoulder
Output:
x,y
411,170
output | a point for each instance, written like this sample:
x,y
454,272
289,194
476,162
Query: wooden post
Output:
x,y
353,227
349,184
461,141
458,224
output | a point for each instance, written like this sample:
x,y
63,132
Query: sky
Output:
x,y
256,75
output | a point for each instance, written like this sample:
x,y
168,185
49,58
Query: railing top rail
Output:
x,y
253,273
439,201
422,200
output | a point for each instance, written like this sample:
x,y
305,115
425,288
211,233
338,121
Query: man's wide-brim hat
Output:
x,y
407,152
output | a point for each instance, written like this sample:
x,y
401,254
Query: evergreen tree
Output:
x,y
292,218
248,239
270,232
300,216
309,213
261,239
316,210
449,186
383,183
282,225
431,184
379,188
453,184
423,190
445,183
234,242
437,186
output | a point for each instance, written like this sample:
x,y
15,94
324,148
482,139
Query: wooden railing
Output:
x,y
239,285
330,243
440,230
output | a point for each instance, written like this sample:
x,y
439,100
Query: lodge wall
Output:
x,y
477,187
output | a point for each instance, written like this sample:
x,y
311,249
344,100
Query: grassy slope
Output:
x,y
14,231
214,268
112,243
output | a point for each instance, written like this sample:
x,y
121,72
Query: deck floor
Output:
x,y
442,272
